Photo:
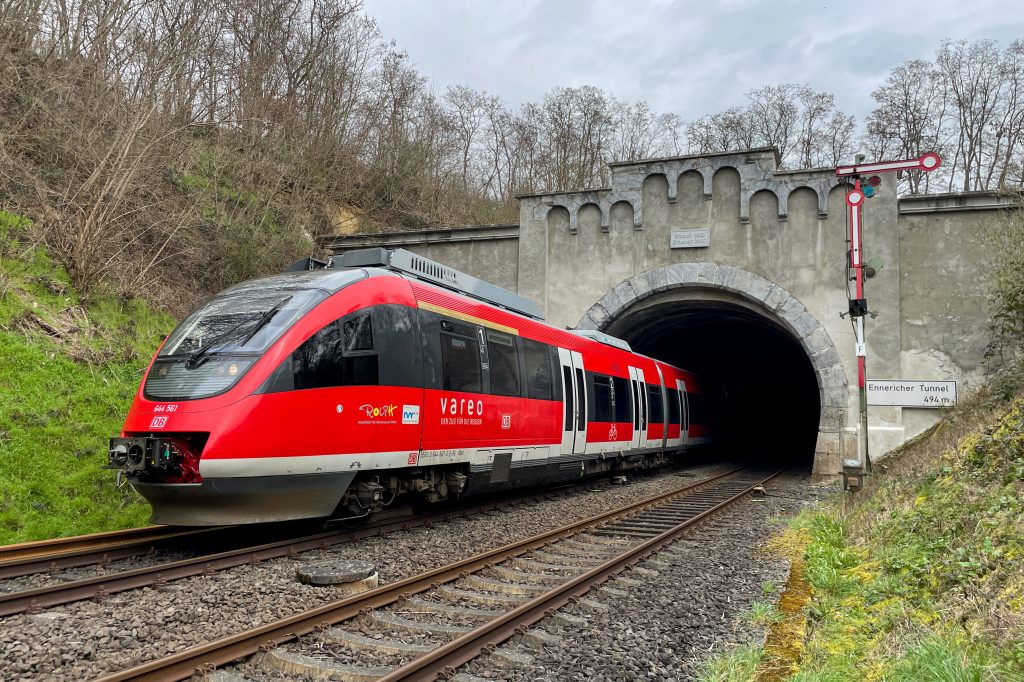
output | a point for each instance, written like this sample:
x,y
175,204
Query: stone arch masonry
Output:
x,y
757,169
776,303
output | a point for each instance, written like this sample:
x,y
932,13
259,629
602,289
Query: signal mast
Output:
x,y
854,472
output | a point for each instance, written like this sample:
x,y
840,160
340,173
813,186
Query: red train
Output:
x,y
333,391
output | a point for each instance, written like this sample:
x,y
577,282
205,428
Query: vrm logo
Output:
x,y
506,421
410,414
158,422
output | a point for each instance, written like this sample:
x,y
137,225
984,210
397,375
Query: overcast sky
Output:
x,y
683,57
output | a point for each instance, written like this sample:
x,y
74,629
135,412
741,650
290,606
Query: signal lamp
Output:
x,y
872,267
870,186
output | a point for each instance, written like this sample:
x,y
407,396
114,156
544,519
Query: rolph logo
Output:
x,y
379,411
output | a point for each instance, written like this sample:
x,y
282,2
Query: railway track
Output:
x,y
94,542
476,603
103,548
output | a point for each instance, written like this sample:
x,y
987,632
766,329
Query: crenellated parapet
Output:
x,y
758,170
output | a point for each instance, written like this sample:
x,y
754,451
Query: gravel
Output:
x,y
91,638
663,625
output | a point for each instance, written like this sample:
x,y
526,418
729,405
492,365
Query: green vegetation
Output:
x,y
68,371
924,577
920,577
736,665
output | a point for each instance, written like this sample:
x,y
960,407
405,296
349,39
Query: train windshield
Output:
x,y
215,345
246,322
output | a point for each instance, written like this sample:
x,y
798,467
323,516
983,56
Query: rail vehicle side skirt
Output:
x,y
245,499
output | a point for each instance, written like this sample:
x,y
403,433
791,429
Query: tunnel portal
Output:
x,y
761,383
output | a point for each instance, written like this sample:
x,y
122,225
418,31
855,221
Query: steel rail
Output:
x,y
465,648
33,600
25,550
206,657
81,553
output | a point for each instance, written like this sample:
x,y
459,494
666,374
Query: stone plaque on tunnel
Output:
x,y
690,239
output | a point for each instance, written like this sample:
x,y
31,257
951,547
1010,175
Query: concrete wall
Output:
x,y
778,242
490,252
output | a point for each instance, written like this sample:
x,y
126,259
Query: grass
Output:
x,y
923,577
68,372
920,577
736,665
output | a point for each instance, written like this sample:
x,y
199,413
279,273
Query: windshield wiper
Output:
x,y
265,319
195,359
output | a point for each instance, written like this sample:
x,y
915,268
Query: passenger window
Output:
x,y
538,371
673,406
620,398
460,356
504,363
655,404
600,398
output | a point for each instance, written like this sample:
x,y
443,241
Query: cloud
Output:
x,y
687,58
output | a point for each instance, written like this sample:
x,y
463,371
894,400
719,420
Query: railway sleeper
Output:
x,y
478,597
565,559
425,605
507,573
490,585
293,663
528,564
389,620
356,641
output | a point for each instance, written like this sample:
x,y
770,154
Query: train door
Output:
x,y
639,391
664,408
574,401
684,410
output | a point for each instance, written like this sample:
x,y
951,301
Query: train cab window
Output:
x,y
540,383
655,412
503,362
621,399
325,360
358,333
673,406
359,361
599,394
460,358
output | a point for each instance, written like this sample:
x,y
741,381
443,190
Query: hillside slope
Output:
x,y
68,371
918,577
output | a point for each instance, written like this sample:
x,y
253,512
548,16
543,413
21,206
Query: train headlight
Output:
x,y
118,455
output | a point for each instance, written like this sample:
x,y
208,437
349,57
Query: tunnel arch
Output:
x,y
704,291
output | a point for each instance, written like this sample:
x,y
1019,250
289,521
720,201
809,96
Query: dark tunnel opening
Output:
x,y
763,387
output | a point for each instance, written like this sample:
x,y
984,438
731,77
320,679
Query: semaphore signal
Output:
x,y
858,306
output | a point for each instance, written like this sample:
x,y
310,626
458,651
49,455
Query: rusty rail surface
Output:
x,y
26,550
207,657
86,550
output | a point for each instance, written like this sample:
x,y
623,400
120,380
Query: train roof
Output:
x,y
328,280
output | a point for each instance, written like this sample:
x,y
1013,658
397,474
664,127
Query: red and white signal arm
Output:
x,y
926,162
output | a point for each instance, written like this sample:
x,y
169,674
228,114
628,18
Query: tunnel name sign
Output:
x,y
690,239
912,393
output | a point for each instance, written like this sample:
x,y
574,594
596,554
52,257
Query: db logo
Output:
x,y
506,421
413,457
158,422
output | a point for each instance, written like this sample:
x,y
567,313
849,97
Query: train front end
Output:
x,y
186,445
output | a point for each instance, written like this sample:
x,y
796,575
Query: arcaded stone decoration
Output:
x,y
758,170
